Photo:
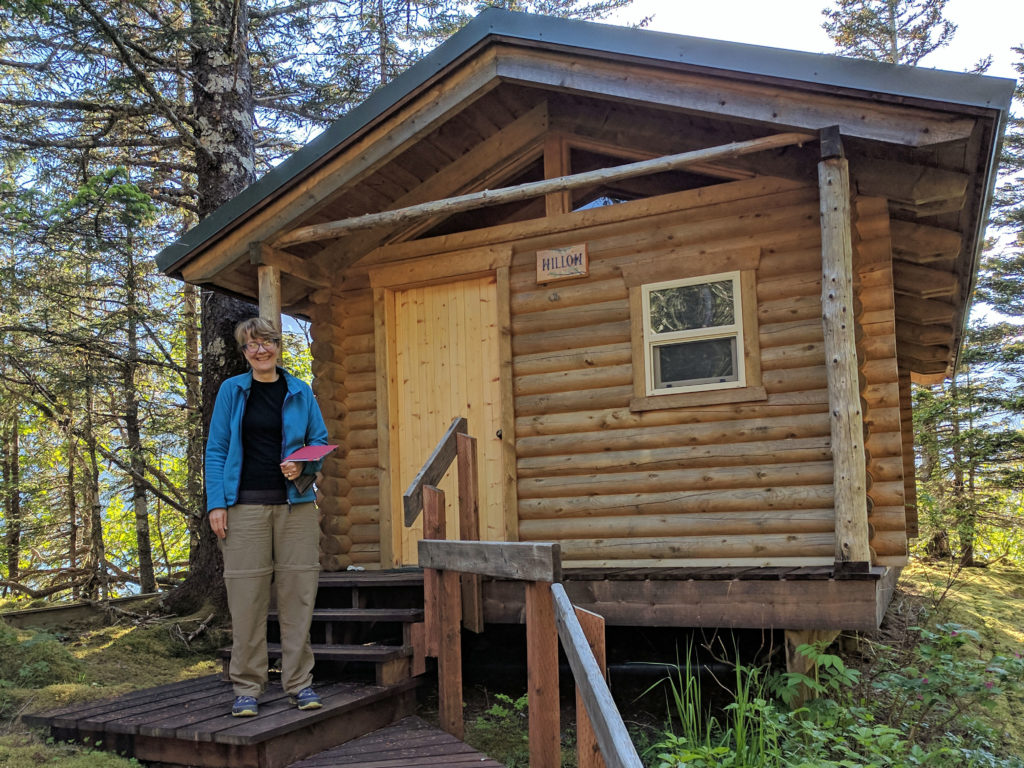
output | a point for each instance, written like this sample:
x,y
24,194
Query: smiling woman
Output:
x,y
264,518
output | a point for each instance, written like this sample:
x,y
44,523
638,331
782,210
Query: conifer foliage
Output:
x,y
122,123
893,31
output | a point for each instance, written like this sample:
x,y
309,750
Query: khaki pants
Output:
x,y
265,540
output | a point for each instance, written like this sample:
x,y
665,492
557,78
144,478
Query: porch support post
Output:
x,y
269,279
837,314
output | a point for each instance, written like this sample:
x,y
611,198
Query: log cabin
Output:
x,y
678,288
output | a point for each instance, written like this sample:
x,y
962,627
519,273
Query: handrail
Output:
x,y
433,470
538,564
613,739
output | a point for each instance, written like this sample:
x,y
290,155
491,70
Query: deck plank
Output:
x,y
409,743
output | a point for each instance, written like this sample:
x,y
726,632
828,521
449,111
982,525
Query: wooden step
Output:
x,y
189,723
409,743
365,615
374,654
405,577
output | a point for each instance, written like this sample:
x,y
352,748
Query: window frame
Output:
x,y
654,340
647,272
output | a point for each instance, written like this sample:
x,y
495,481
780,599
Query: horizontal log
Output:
x,y
776,263
783,334
363,418
925,335
335,525
554,319
334,562
583,400
499,560
527,190
799,284
577,381
812,425
655,481
361,382
789,309
636,504
753,453
765,546
889,542
591,292
800,521
572,360
365,534
359,363
364,515
571,338
776,406
887,494
925,311
923,282
802,355
795,379
923,244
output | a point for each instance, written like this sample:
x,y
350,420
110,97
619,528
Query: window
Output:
x,y
693,334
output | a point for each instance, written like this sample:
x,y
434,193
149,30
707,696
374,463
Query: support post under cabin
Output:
x,y
837,314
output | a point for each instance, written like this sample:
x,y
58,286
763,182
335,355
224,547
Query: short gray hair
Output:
x,y
256,328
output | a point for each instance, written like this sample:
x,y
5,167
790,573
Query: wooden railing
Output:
x,y
450,566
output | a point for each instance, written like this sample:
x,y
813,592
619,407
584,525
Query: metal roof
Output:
x,y
888,80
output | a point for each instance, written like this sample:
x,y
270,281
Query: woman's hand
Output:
x,y
291,469
219,522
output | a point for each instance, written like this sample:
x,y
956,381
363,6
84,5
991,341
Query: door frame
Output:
x,y
454,266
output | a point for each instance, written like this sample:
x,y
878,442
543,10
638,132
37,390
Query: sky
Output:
x,y
984,27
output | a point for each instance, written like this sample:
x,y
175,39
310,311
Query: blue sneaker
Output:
x,y
307,698
245,706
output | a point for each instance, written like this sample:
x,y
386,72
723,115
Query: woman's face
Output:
x,y
262,356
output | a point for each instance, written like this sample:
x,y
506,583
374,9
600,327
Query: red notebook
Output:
x,y
310,453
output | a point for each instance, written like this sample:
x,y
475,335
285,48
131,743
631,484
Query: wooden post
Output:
x,y
433,528
449,658
269,279
542,676
588,753
469,528
837,314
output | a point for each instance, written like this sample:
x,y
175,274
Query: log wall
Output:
x,y
744,483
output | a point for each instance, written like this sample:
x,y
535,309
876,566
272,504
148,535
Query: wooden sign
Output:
x,y
563,263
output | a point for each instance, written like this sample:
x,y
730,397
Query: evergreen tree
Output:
x,y
893,31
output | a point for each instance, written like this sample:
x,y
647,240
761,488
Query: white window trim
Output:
x,y
652,340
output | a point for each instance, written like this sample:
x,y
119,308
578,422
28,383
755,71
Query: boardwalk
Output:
x,y
409,743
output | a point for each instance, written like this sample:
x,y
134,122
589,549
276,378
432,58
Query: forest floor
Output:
x,y
140,651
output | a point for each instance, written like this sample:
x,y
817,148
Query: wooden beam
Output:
x,y
908,183
498,155
923,282
356,160
469,528
542,677
847,426
433,528
588,751
532,189
308,271
269,291
449,657
524,561
616,746
922,244
433,470
722,98
924,311
925,334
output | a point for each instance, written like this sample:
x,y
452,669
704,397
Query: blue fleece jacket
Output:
x,y
301,422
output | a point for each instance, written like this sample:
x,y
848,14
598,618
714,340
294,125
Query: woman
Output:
x,y
261,509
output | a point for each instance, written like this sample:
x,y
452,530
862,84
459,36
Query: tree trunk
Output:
x,y
73,525
12,497
97,587
225,163
137,462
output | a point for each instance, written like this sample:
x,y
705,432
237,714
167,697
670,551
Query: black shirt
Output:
x,y
262,440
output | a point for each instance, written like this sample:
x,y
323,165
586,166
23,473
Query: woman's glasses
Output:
x,y
253,347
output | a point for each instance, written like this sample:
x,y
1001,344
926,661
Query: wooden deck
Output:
x,y
409,743
189,723
782,597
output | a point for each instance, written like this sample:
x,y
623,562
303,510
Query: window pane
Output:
x,y
686,307
695,362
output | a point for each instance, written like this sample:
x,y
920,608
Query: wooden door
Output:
x,y
444,363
